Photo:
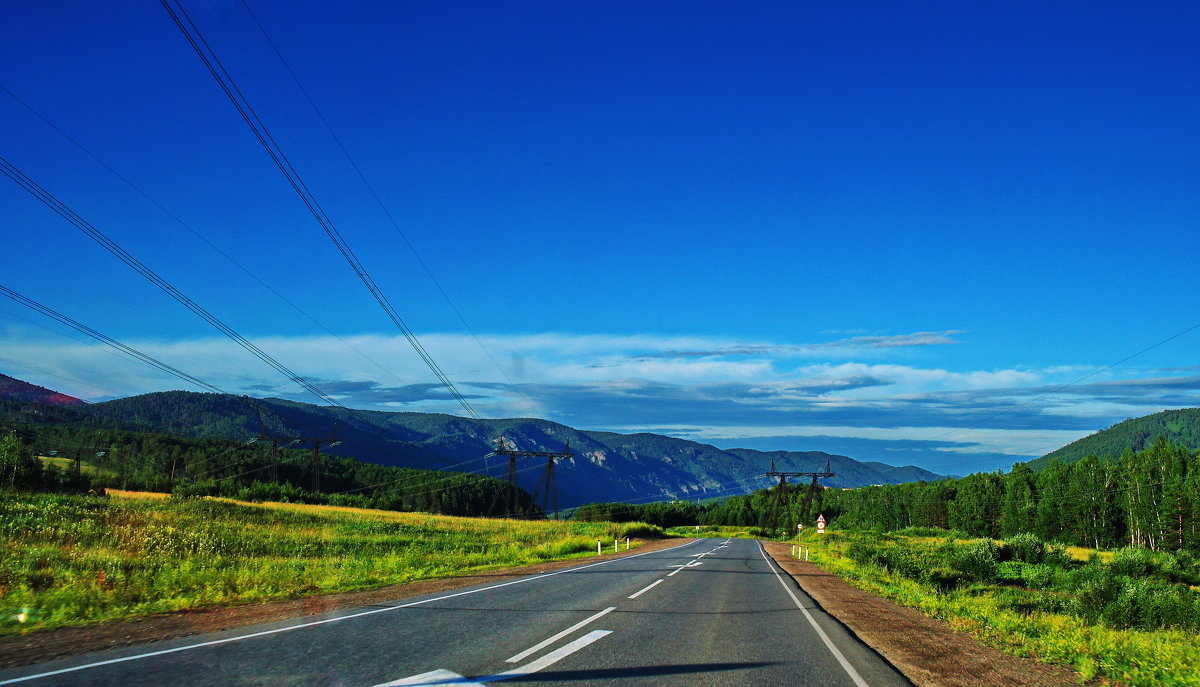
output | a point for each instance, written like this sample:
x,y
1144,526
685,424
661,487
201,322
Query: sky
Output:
x,y
941,234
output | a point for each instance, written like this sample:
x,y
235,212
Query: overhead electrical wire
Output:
x,y
111,246
196,39
137,189
382,206
107,340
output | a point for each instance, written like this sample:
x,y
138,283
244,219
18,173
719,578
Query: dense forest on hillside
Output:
x,y
1176,426
104,457
1148,498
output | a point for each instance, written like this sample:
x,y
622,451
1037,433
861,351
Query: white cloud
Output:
x,y
716,387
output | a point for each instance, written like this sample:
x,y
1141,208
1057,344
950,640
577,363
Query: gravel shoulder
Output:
x,y
929,652
37,647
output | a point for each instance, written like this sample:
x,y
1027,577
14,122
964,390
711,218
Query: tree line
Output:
x,y
115,458
1149,498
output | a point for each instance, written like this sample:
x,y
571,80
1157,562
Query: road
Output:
x,y
710,612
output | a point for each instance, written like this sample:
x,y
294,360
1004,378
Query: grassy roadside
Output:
x,y
1052,610
73,560
717,531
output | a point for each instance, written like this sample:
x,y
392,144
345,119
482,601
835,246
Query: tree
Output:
x,y
19,468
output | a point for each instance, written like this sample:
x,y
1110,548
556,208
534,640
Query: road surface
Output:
x,y
710,612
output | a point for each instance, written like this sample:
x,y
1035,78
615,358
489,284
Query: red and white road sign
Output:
x,y
821,524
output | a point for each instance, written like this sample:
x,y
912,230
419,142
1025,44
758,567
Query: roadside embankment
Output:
x,y
929,652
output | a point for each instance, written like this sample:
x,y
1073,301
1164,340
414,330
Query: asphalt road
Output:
x,y
711,612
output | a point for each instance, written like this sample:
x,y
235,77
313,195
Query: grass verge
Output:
x,y
1012,615
74,560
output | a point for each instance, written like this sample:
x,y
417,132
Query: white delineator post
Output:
x,y
626,543
599,551
615,548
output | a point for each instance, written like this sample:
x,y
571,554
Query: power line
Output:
x,y
193,231
109,341
196,39
111,246
379,201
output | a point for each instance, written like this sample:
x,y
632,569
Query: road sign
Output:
x,y
821,524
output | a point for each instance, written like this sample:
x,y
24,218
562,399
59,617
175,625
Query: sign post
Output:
x,y
821,524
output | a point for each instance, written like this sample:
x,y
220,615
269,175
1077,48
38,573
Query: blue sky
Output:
x,y
880,230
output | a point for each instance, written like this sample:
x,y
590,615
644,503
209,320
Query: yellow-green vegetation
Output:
x,y
68,465
723,531
1130,616
69,560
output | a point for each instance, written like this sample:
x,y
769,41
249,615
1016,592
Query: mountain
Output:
x,y
906,473
1177,426
606,466
12,389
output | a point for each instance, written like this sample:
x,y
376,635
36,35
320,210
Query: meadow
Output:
x,y
1131,615
76,559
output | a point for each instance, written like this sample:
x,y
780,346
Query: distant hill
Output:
x,y
606,466
12,389
905,473
1177,426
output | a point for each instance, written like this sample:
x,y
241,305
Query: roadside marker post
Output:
x,y
626,543
615,548
599,551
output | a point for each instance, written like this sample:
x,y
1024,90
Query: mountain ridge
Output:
x,y
606,466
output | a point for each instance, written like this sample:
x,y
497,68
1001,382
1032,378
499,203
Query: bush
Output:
x,y
894,559
1039,575
1025,547
1139,562
639,530
1093,589
977,560
945,579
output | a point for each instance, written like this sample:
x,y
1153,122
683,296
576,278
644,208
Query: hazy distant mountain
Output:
x,y
1177,426
15,390
606,466
906,473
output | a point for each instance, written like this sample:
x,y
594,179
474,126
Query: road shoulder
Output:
x,y
928,651
37,647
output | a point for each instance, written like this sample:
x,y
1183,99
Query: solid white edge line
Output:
x,y
812,621
647,588
550,658
289,628
547,642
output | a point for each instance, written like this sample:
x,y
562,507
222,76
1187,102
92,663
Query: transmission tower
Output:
x,y
779,500
316,442
546,484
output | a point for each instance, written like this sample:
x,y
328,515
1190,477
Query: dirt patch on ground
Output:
x,y
44,646
928,652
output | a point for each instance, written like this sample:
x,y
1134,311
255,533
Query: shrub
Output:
x,y
1025,547
639,530
1139,562
1093,589
1038,575
945,579
977,560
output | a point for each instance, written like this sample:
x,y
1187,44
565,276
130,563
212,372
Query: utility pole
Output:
x,y
779,500
546,484
331,441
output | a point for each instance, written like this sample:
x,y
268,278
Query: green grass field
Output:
x,y
1093,611
71,560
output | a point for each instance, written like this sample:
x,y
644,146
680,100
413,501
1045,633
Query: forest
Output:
x,y
117,458
1146,499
